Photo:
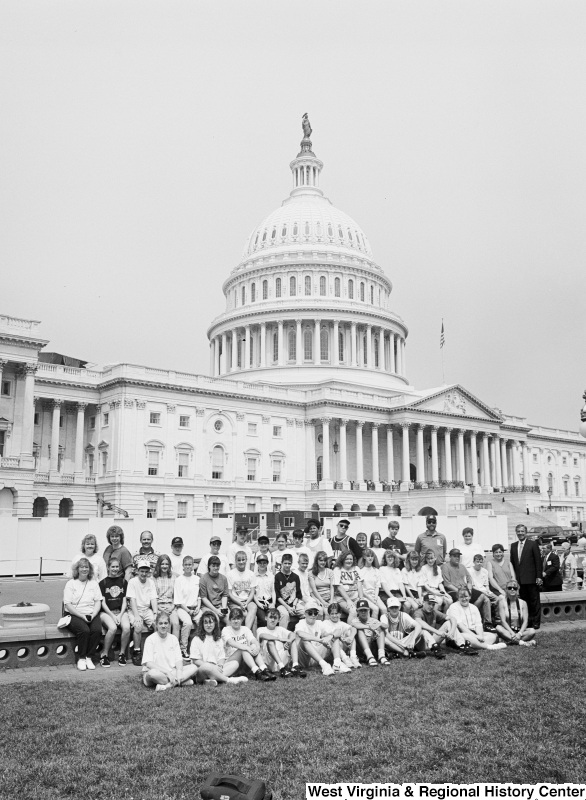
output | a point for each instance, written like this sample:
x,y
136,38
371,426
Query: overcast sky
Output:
x,y
141,142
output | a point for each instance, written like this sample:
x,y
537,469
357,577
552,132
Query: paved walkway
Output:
x,y
68,672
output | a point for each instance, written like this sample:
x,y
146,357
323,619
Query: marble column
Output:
x,y
325,471
79,427
390,455
399,357
403,357
234,364
497,460
316,342
28,416
448,453
393,365
505,471
359,452
334,347
310,463
375,470
223,356
420,455
343,451
54,463
353,345
485,462
298,343
434,458
405,476
263,344
369,357
526,478
461,461
473,458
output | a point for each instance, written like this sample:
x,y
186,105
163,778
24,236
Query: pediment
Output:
x,y
456,401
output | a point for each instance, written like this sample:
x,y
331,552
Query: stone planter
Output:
x,y
15,616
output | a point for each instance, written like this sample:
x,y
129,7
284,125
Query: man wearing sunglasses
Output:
x,y
432,540
343,541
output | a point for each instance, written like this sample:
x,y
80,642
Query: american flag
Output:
x,y
442,337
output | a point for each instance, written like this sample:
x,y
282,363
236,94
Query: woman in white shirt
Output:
x,y
89,550
411,573
371,582
347,582
208,653
392,580
82,600
162,662
431,580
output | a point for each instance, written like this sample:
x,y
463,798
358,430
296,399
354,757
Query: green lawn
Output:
x,y
504,716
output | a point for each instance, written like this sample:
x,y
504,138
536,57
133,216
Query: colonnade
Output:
x,y
27,372
480,458
299,342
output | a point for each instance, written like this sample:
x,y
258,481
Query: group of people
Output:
x,y
337,603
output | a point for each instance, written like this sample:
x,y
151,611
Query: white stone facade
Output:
x,y
308,407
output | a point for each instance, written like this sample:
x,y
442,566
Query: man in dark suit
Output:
x,y
526,561
552,577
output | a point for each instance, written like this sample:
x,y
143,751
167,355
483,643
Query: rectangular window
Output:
x,y
277,431
6,388
577,488
251,473
61,421
566,488
92,423
252,428
152,509
153,462
288,522
106,419
154,418
36,420
2,442
104,462
575,462
276,508
536,482
181,509
252,520
183,467
277,465
217,509
90,463
535,458
564,461
184,421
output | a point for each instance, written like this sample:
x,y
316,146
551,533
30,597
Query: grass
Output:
x,y
504,716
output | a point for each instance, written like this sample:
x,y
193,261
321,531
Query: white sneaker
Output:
x,y
162,687
346,661
342,668
242,679
210,683
355,662
499,646
326,669
188,682
81,665
89,663
532,643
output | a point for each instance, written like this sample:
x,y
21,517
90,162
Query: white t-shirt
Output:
x,y
427,578
241,584
97,562
176,564
143,593
468,552
480,579
282,635
203,564
304,581
411,578
265,585
186,592
313,546
235,548
342,628
468,617
348,579
314,630
163,652
209,650
371,582
242,636
392,578
82,595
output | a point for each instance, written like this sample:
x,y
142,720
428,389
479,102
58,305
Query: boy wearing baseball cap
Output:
x,y
311,638
142,596
403,632
263,542
176,556
369,631
215,544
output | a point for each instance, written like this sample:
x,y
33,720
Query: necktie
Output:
x,y
520,551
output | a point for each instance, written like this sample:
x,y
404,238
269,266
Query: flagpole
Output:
x,y
442,343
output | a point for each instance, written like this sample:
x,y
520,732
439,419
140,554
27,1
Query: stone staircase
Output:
x,y
516,513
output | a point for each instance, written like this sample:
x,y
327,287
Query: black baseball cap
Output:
x,y
176,540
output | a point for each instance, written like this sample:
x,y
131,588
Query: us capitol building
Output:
x,y
308,404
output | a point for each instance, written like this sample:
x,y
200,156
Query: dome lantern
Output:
x,y
306,167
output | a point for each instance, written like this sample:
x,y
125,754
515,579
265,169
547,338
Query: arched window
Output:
x,y
253,292
350,236
292,346
243,295
324,350
318,228
340,234
40,507
337,287
330,231
292,286
351,289
362,291
235,298
274,235
307,285
264,236
66,507
376,352
364,351
307,346
372,295
319,468
239,349
307,228
218,462
295,229
278,287
265,290
341,346
284,231
322,285
251,351
275,347
256,240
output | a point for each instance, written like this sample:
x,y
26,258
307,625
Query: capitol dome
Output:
x,y
307,302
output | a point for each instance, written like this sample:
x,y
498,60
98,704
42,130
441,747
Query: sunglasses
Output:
x,y
513,588
342,525
312,612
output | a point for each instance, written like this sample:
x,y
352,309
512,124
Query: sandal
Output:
x,y
384,660
372,662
